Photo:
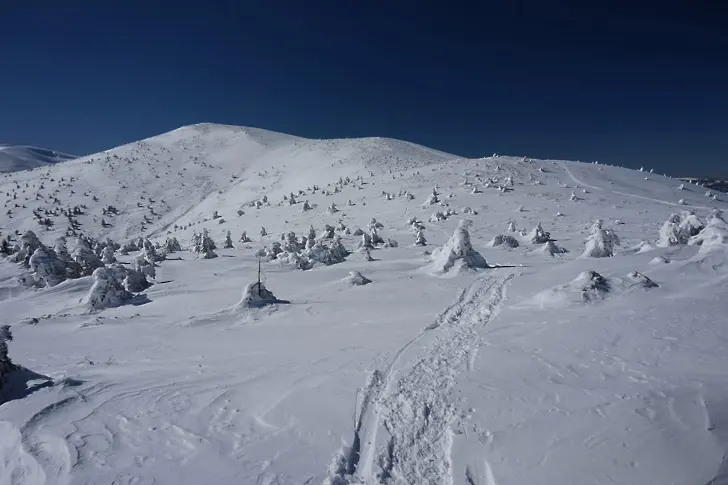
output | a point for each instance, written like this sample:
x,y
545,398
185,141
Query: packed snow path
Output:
x,y
411,401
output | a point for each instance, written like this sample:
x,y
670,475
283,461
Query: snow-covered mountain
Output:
x,y
21,157
497,350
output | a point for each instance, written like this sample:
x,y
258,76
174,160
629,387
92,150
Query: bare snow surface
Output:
x,y
464,359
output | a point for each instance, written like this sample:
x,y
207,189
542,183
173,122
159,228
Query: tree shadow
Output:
x,y
139,300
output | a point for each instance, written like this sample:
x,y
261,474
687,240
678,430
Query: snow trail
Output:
x,y
413,403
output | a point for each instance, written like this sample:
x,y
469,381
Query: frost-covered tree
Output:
x,y
85,257
538,235
357,232
457,252
150,252
172,245
332,209
45,267
291,200
244,238
512,226
106,291
207,248
306,206
28,243
375,237
311,233
601,241
420,238
107,255
328,232
433,198
228,244
679,228
365,243
505,240
263,232
61,249
714,233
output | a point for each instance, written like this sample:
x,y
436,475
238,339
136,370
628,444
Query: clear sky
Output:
x,y
628,83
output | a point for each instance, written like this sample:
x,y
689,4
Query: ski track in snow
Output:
x,y
413,404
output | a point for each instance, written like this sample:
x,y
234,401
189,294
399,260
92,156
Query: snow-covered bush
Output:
x,y
106,291
263,232
355,278
601,242
306,206
505,240
244,238
512,226
437,217
433,198
593,286
206,248
375,224
332,209
679,228
391,243
457,252
357,232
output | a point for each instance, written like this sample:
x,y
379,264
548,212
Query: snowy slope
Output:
x,y
494,376
19,157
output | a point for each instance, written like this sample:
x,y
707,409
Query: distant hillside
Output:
x,y
14,158
714,184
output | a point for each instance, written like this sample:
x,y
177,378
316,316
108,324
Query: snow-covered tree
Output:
x,y
420,238
714,233
328,232
457,252
107,255
433,198
375,237
6,364
306,206
601,241
85,257
512,226
45,267
538,235
172,245
263,232
29,242
256,295
106,291
228,241
332,209
207,249
679,228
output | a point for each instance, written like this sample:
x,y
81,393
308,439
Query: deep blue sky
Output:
x,y
629,83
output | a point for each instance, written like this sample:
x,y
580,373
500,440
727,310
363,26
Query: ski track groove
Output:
x,y
416,408
659,201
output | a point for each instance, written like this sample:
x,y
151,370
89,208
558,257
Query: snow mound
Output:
x,y
355,278
457,253
588,288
